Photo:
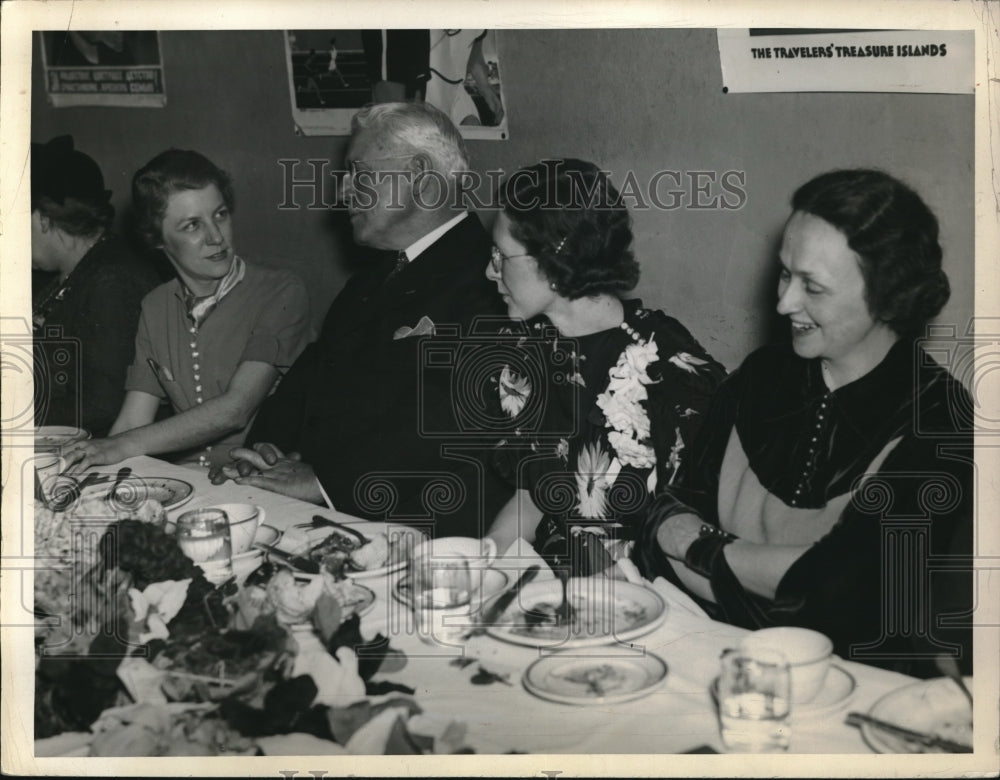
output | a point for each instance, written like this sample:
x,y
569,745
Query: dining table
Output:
x,y
479,680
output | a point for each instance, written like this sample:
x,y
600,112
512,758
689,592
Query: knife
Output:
x,y
496,609
928,740
298,562
319,521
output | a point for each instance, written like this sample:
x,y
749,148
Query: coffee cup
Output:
x,y
809,655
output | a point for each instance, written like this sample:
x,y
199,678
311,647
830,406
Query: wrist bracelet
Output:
x,y
703,553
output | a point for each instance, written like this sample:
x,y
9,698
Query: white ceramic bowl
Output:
x,y
809,654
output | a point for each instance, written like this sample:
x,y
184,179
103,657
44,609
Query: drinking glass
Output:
x,y
754,695
441,591
203,536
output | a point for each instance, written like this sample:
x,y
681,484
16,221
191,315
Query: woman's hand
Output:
x,y
83,455
676,533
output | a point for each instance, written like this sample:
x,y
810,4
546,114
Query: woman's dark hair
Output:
x,y
169,172
67,187
571,219
896,236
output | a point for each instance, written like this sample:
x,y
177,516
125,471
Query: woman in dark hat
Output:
x,y
85,316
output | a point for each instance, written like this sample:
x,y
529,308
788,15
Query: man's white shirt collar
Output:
x,y
414,250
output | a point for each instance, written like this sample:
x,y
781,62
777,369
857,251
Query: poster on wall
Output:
x,y
103,68
788,60
333,73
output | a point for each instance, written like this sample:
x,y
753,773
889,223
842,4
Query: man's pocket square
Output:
x,y
423,328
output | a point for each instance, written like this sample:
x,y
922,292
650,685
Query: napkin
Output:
x,y
519,556
676,598
424,327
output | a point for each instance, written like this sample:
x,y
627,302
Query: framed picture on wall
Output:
x,y
333,73
103,68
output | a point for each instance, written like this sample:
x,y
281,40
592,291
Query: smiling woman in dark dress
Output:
x,y
834,475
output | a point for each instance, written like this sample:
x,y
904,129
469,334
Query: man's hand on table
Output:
x,y
265,466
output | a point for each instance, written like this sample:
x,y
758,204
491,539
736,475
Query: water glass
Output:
x,y
203,536
442,592
754,695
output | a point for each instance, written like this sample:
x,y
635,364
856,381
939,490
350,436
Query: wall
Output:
x,y
636,101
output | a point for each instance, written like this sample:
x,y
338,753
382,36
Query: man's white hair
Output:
x,y
420,126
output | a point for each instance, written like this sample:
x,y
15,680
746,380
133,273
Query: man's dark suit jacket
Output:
x,y
351,404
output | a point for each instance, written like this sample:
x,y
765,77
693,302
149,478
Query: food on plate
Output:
x,y
590,617
341,552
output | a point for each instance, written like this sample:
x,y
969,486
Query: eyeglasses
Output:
x,y
354,168
497,258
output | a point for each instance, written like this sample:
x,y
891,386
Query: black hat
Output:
x,y
58,172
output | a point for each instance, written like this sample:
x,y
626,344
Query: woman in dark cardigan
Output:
x,y
832,483
85,315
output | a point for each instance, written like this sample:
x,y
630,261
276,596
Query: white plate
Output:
x,y
935,706
838,688
594,677
607,611
134,490
51,437
491,583
401,539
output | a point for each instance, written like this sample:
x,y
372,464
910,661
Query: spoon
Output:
x,y
949,668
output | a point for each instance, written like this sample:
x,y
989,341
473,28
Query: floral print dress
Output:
x,y
600,423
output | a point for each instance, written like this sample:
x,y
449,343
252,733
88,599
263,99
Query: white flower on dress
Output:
x,y
687,362
562,450
622,404
591,482
632,452
674,459
514,391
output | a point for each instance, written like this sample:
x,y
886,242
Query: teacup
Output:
x,y
809,655
243,522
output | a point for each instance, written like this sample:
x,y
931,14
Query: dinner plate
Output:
x,y
51,437
838,688
134,490
606,611
401,539
491,582
935,706
594,677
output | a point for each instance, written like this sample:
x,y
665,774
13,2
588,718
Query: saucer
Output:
x,y
837,690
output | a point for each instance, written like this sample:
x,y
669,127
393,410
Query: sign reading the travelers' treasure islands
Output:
x,y
780,60
103,68
333,73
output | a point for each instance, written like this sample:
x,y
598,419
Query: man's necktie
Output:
x,y
401,261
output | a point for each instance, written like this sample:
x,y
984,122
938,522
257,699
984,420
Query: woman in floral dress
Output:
x,y
602,395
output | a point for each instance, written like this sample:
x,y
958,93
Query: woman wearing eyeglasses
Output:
x,y
604,394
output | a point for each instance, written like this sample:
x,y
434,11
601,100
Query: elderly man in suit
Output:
x,y
350,414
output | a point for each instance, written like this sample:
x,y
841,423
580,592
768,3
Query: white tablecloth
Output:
x,y
678,717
